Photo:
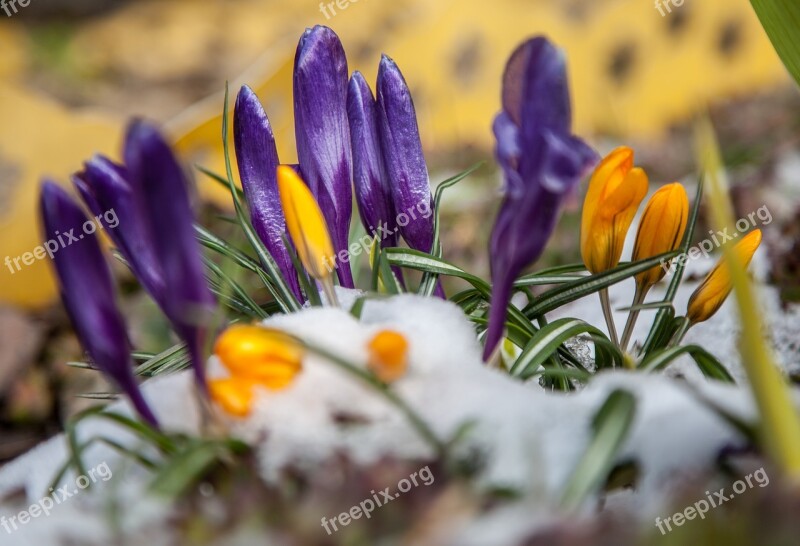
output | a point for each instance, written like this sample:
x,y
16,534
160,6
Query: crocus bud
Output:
x,y
402,154
266,356
255,356
660,230
388,355
712,292
88,293
323,134
257,156
369,176
615,191
306,224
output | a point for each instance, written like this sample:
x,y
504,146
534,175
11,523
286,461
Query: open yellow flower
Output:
x,y
388,355
255,356
713,291
615,191
660,230
306,224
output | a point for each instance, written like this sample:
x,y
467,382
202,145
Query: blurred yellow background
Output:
x,y
68,82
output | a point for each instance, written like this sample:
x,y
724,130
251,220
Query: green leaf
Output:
x,y
781,20
428,284
568,292
239,295
706,362
308,286
185,469
610,426
547,341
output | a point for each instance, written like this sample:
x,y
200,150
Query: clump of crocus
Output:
x,y
388,355
307,227
323,134
660,230
88,293
257,156
254,356
712,292
150,195
542,163
615,191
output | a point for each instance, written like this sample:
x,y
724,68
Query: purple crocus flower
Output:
x,y
257,156
156,233
322,132
87,290
369,176
161,187
542,162
406,170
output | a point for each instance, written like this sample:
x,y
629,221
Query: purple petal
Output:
x,y
369,177
105,188
161,186
322,131
87,290
258,162
402,154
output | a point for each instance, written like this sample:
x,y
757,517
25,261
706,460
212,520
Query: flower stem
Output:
x,y
612,329
638,298
677,337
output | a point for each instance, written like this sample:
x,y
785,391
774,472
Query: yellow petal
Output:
x,y
661,229
306,224
388,355
234,395
713,291
615,191
259,354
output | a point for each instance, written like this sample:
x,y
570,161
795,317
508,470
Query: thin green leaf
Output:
x,y
610,426
706,362
568,292
781,20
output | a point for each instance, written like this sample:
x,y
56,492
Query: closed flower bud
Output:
x,y
306,224
660,230
388,355
711,294
615,191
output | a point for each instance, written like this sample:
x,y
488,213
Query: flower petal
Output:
x,y
88,292
322,132
257,156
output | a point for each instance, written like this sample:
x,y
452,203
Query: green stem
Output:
x,y
606,304
638,298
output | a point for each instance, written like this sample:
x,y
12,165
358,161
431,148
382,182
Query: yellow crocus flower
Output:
x,y
615,191
306,224
660,230
713,291
388,355
255,356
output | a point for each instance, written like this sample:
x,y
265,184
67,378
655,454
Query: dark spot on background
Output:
x,y
678,21
467,59
621,65
730,38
